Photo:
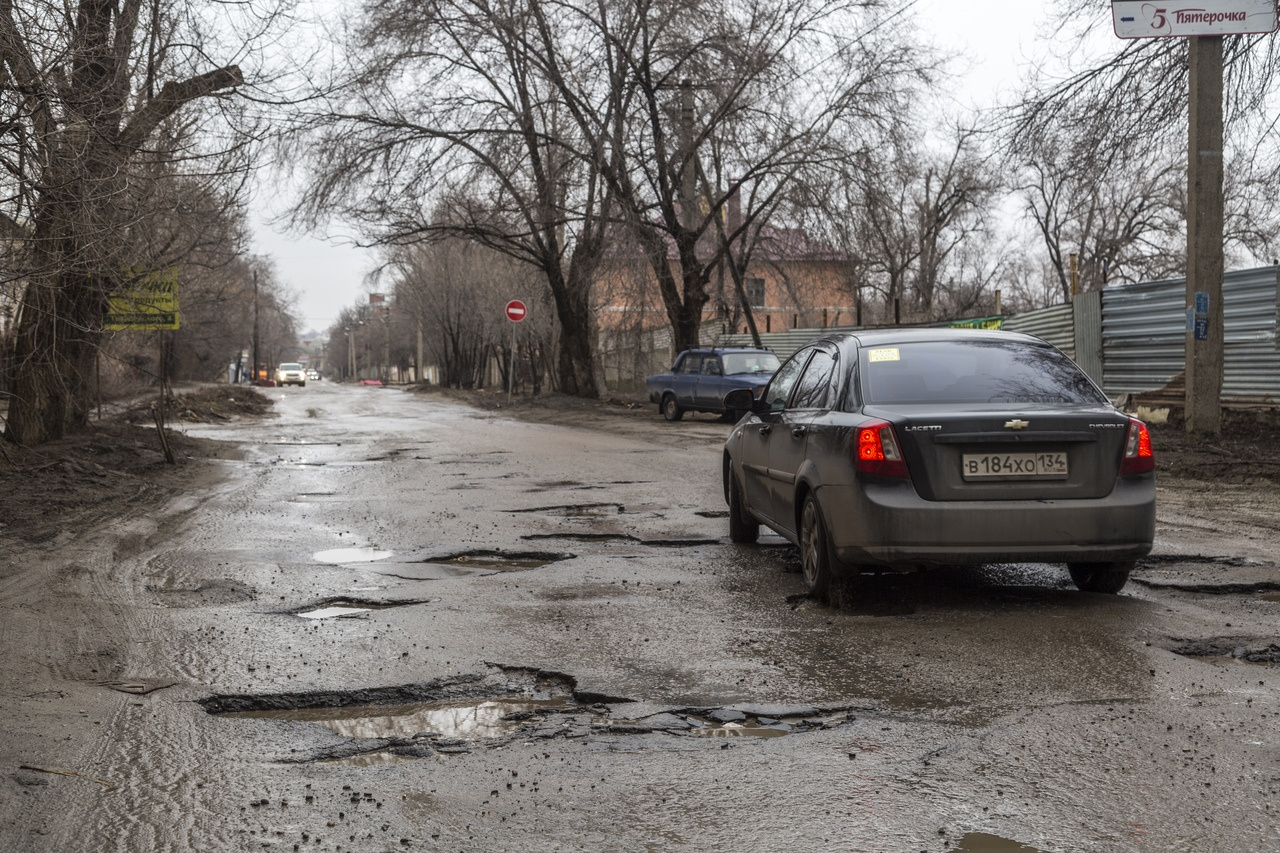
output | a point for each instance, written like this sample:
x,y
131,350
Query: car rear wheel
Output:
x,y
1100,577
815,551
671,409
743,529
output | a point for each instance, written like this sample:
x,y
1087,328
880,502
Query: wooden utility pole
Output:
x,y
1203,408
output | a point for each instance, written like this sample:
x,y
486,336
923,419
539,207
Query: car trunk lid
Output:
x,y
1018,453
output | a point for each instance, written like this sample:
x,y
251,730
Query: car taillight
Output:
x,y
877,451
1138,455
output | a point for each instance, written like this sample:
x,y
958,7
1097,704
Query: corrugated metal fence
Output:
x,y
1144,338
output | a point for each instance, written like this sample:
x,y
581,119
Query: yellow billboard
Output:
x,y
149,305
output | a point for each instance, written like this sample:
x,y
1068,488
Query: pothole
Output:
x,y
623,537
982,842
216,591
1270,596
713,513
501,561
338,556
1247,649
747,728
589,510
465,713
344,608
446,719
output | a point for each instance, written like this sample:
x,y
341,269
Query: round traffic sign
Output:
x,y
515,310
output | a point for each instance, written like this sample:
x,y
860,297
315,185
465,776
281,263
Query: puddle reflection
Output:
x,y
452,718
747,728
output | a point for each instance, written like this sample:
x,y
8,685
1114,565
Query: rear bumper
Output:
x,y
889,524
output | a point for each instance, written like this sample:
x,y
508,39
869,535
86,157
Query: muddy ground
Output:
x,y
153,616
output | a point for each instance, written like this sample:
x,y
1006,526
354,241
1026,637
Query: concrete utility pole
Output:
x,y
1203,408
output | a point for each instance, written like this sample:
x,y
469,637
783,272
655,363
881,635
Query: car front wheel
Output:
x,y
671,409
1100,577
815,551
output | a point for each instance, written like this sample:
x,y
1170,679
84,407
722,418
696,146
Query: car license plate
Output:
x,y
1013,466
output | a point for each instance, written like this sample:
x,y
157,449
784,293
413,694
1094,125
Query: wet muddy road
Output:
x,y
403,624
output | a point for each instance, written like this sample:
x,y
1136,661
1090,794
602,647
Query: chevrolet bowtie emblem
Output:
x,y
1016,423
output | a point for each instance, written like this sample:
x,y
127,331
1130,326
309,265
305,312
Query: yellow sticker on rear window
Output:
x,y
888,354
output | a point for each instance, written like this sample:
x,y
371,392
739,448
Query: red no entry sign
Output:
x,y
515,310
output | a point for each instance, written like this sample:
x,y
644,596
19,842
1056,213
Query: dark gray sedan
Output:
x,y
906,448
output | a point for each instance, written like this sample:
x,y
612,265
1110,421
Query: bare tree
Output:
x,y
92,97
1118,211
482,152
710,101
1100,148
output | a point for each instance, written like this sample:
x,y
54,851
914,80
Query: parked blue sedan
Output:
x,y
701,377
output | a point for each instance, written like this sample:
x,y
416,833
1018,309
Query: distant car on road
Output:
x,y
291,373
313,374
700,379
896,449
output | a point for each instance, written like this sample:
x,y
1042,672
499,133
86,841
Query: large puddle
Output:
x,y
449,718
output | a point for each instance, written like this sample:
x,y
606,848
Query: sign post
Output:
x,y
1203,23
515,313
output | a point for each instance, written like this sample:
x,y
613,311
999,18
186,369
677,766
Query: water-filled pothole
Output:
x,y
501,561
981,842
747,728
341,607
1270,596
338,556
463,713
468,719
623,537
589,510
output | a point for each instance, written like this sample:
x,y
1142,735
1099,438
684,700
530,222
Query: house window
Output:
x,y
755,292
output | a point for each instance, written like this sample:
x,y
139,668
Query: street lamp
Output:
x,y
351,357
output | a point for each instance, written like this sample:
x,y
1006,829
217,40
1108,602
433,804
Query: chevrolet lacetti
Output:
x,y
900,449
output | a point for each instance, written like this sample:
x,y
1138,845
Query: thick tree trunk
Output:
x,y
57,342
576,366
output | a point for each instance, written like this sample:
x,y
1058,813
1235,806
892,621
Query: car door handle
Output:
x,y
798,432
766,429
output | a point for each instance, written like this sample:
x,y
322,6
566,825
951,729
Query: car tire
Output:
x,y
816,565
1100,577
670,408
743,529
302,385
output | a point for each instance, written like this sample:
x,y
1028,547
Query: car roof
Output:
x,y
880,337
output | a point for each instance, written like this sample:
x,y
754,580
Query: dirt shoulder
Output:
x,y
116,467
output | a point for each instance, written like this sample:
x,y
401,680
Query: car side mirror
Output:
x,y
741,399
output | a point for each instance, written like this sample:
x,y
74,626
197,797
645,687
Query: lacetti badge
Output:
x,y
1016,424
1179,18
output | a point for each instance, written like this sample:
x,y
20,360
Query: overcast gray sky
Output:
x,y
998,36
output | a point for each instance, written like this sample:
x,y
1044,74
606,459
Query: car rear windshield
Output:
x,y
978,371
749,362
